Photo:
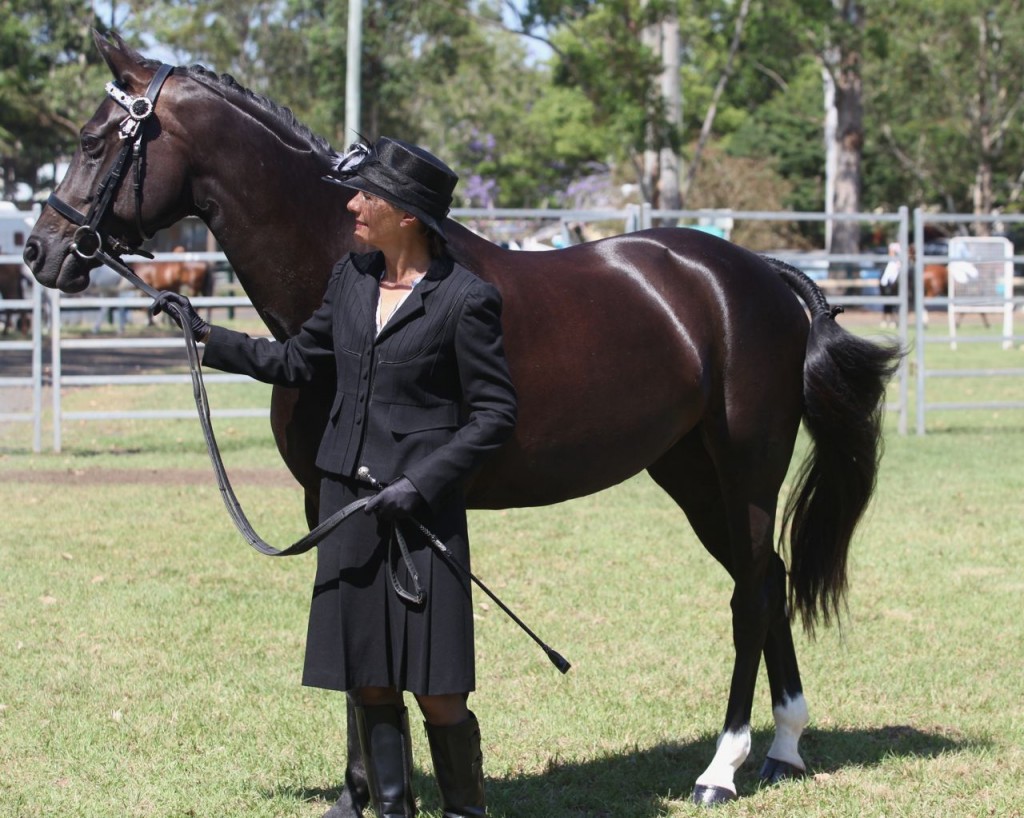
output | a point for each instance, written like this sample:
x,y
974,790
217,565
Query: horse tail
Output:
x,y
844,386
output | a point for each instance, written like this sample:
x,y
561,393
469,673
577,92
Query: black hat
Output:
x,y
408,176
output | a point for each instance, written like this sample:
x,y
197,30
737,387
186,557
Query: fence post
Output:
x,y
903,290
55,361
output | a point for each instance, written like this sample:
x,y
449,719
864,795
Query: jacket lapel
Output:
x,y
415,305
411,308
366,287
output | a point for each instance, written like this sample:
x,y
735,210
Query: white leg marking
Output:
x,y
791,717
733,749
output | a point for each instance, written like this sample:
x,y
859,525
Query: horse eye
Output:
x,y
91,144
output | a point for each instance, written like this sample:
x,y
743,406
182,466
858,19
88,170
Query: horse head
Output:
x,y
197,138
125,181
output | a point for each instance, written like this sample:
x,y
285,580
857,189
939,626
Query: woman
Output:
x,y
423,396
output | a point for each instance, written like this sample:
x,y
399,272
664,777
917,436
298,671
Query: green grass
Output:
x,y
150,661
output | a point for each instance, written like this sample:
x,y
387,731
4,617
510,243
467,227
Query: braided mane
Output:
x,y
265,109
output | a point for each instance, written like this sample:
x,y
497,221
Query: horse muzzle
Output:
x,y
65,271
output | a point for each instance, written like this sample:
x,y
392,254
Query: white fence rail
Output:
x,y
862,290
1007,304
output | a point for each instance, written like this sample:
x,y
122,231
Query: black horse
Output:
x,y
667,350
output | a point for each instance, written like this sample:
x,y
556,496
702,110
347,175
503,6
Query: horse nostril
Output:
x,y
31,253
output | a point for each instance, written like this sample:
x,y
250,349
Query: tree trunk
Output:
x,y
846,71
981,190
661,173
668,183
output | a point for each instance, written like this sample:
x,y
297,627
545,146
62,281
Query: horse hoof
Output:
x,y
773,771
709,796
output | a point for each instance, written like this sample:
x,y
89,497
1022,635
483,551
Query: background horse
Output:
x,y
934,281
192,278
667,350
12,288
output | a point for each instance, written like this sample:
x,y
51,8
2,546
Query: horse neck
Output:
x,y
486,259
280,225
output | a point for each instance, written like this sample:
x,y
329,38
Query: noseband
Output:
x,y
88,242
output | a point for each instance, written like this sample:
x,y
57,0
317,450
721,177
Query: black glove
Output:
x,y
400,499
200,329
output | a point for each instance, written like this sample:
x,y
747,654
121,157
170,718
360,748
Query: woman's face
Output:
x,y
377,221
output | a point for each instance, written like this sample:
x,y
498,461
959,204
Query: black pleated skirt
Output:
x,y
362,633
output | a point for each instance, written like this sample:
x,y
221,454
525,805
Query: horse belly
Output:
x,y
579,439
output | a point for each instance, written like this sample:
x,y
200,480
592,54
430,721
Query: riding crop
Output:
x,y
442,551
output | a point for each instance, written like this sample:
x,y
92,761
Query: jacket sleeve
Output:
x,y
488,398
293,362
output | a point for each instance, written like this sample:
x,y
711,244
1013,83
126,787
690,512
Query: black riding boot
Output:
x,y
459,768
387,753
354,793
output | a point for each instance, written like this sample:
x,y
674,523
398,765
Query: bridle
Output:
x,y
88,242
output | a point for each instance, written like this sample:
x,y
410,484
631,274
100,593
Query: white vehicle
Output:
x,y
15,227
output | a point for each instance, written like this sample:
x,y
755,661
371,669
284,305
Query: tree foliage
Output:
x,y
948,112
46,63
942,90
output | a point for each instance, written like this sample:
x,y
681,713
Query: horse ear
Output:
x,y
124,62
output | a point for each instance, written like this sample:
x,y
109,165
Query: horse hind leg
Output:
x,y
789,707
689,474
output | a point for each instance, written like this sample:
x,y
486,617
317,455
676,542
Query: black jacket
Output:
x,y
428,398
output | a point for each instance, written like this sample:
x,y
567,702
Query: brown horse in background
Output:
x,y
934,282
12,288
192,278
667,350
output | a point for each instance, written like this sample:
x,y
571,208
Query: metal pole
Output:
x,y
37,367
55,367
919,312
353,70
903,290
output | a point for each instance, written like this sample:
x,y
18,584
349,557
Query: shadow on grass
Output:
x,y
638,784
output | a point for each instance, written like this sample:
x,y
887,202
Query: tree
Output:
x,y
442,73
49,78
841,57
949,111
600,51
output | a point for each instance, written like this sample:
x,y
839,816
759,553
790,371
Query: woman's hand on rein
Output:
x,y
200,328
400,499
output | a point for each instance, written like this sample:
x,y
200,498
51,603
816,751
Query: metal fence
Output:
x,y
860,290
1004,301
33,349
